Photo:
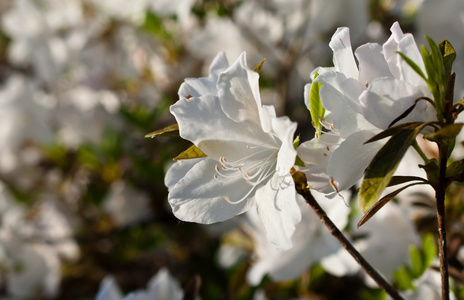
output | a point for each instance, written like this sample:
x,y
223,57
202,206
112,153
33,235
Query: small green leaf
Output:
x,y
316,109
383,165
454,170
413,65
447,132
429,249
192,152
171,130
296,142
404,278
257,69
299,162
432,170
417,265
381,202
449,55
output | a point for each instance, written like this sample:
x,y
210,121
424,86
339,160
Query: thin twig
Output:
x,y
383,284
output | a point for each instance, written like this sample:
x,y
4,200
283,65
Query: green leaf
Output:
x,y
429,249
447,132
383,165
394,130
171,130
384,200
413,65
192,152
315,105
257,69
417,265
403,179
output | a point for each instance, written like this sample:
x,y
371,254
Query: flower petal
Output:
x,y
372,63
238,90
348,163
343,54
387,98
178,170
284,130
278,210
199,197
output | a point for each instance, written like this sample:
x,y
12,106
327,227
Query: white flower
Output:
x,y
249,156
361,102
161,286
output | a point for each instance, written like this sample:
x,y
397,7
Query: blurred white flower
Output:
x,y
311,242
126,205
161,286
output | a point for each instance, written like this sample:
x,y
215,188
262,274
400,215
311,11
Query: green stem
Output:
x,y
420,152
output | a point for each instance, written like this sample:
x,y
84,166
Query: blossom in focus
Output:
x,y
362,101
249,155
161,286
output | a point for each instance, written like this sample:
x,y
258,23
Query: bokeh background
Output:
x,y
82,192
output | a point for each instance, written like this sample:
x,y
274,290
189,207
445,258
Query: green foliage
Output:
x,y
383,165
420,262
316,109
447,132
298,161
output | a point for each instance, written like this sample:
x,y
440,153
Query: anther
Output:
x,y
216,168
227,198
215,176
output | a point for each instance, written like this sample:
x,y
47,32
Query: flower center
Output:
x,y
255,168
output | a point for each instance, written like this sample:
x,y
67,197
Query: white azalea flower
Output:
x,y
361,101
249,156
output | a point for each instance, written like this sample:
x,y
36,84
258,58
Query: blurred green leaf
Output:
x,y
394,130
404,278
429,249
417,265
257,69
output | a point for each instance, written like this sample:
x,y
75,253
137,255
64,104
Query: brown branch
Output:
x,y
383,284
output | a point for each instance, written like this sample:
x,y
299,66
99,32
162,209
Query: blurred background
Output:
x,y
82,192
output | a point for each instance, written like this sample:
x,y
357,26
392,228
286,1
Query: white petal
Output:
x,y
278,210
408,47
284,130
202,121
348,163
178,170
387,98
219,65
238,89
315,156
199,197
343,54
372,63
